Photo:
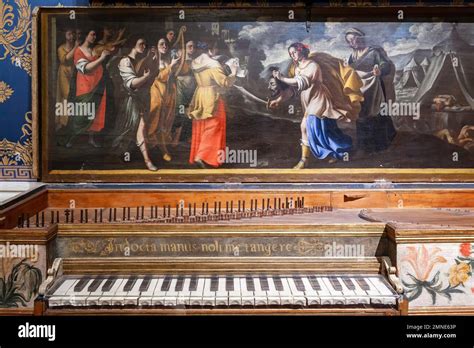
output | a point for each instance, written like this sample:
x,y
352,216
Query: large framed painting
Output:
x,y
276,94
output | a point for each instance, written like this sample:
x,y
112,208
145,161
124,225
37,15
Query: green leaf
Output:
x,y
410,286
435,279
415,280
416,294
445,294
455,291
15,298
433,294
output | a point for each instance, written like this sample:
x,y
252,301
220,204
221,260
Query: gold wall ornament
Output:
x,y
5,91
21,152
15,40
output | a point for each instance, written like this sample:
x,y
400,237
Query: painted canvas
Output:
x,y
148,95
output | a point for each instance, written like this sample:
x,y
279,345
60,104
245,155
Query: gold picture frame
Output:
x,y
48,169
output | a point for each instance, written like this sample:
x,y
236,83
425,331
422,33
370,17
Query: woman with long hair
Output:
x,y
163,100
130,123
88,86
207,108
65,71
320,133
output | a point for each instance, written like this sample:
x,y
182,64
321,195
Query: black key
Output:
x,y
95,284
314,283
335,283
214,283
130,283
250,284
179,284
299,284
362,283
193,284
166,284
109,283
264,283
278,283
348,283
145,284
81,284
229,284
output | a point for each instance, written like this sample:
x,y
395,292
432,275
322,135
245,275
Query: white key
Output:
x,y
78,298
285,295
273,296
248,297
171,295
94,296
222,296
182,297
131,298
158,298
260,294
120,297
59,297
65,286
146,297
362,296
337,297
387,297
351,298
324,293
298,296
195,297
312,296
108,297
373,293
235,296
208,296
123,297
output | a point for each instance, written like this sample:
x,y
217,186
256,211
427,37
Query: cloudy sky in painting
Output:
x,y
395,38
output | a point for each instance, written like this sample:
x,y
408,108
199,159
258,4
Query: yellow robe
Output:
x,y
162,106
210,79
65,70
342,81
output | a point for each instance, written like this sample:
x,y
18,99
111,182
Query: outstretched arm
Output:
x,y
288,80
285,95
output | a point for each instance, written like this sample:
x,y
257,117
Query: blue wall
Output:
x,y
15,85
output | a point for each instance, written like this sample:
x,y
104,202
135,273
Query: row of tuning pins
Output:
x,y
233,210
178,214
97,215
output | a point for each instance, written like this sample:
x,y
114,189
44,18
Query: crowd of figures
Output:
x,y
173,90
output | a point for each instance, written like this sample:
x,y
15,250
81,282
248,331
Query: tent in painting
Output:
x,y
451,72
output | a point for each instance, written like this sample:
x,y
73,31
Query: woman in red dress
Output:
x,y
89,88
207,108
